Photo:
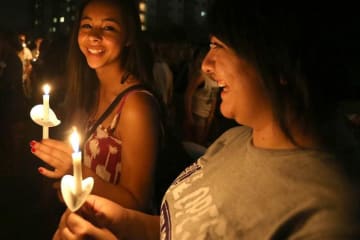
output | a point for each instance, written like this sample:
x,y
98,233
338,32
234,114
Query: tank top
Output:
x,y
102,150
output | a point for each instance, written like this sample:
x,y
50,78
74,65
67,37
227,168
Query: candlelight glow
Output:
x,y
75,140
46,88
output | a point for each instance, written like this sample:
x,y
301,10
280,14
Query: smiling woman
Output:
x,y
107,57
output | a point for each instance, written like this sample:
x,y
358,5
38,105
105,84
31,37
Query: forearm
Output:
x,y
136,225
116,193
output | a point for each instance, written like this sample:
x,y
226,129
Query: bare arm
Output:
x,y
140,138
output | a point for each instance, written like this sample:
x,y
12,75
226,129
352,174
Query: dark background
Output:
x,y
28,204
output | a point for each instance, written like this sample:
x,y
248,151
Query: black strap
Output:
x,y
111,108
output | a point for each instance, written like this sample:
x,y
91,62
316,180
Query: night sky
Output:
x,y
14,14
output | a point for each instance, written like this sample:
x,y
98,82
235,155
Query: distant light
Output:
x,y
142,17
203,13
55,20
143,27
62,19
142,7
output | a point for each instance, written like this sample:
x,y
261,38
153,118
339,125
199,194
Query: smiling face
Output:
x,y
101,36
243,96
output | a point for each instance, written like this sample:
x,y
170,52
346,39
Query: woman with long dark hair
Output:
x,y
107,57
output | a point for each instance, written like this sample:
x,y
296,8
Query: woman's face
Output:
x,y
243,97
101,35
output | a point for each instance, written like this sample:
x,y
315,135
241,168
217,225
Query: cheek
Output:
x,y
80,41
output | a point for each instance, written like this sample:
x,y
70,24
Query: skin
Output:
x,y
109,221
99,36
242,98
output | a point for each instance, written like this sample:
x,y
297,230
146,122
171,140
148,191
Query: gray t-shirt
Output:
x,y
238,191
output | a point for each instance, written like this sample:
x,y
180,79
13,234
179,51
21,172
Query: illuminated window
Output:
x,y
55,20
52,29
62,19
203,13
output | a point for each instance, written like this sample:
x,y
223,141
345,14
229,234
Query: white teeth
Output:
x,y
221,84
95,51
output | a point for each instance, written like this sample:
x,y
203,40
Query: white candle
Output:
x,y
46,107
76,157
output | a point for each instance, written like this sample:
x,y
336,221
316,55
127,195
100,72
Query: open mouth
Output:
x,y
95,51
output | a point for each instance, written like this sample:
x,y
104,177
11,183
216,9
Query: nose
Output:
x,y
207,65
95,35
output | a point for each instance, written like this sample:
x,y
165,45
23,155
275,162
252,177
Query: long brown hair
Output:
x,y
136,59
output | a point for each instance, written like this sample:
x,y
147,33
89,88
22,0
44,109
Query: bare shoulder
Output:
x,y
140,106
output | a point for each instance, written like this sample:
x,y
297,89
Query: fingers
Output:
x,y
79,228
55,153
51,173
101,211
74,226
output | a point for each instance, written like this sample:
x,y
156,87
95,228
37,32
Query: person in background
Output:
x,y
199,101
25,56
290,171
36,50
163,75
105,59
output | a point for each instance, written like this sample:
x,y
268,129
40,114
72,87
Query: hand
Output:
x,y
55,153
73,226
94,220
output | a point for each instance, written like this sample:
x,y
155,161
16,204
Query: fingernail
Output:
x,y
32,143
33,150
40,170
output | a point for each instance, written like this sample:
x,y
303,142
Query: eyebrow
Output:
x,y
103,20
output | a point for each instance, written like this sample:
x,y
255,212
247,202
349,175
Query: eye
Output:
x,y
109,28
85,26
213,45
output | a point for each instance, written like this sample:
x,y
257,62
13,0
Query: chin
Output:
x,y
225,112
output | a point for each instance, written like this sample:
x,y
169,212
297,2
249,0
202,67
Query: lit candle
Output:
x,y
46,107
76,157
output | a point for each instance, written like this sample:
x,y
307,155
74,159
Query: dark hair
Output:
x,y
136,59
293,50
289,50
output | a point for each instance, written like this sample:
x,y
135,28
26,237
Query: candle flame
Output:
x,y
75,140
46,88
